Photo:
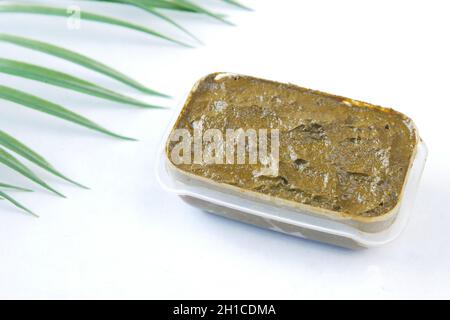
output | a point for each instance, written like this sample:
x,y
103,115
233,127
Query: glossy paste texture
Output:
x,y
335,153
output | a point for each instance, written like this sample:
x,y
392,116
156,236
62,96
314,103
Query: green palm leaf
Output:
x,y
11,187
17,204
176,5
199,9
40,9
18,147
60,79
10,161
237,4
53,109
67,81
78,59
161,4
147,6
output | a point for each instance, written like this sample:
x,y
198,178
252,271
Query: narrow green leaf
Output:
x,y
145,5
17,204
10,161
53,109
62,12
200,9
21,149
181,5
78,59
170,5
64,80
237,4
9,186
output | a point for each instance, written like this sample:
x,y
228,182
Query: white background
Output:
x,y
127,238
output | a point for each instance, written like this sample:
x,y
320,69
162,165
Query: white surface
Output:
x,y
127,238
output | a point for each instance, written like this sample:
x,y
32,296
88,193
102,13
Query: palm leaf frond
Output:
x,y
16,203
237,4
57,78
21,149
42,105
163,4
79,59
62,12
199,9
177,5
11,187
13,163
150,8
64,80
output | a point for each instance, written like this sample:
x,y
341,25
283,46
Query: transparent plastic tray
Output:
x,y
246,207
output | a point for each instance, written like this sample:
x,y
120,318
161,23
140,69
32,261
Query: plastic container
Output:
x,y
264,211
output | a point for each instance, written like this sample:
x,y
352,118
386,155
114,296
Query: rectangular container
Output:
x,y
266,212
